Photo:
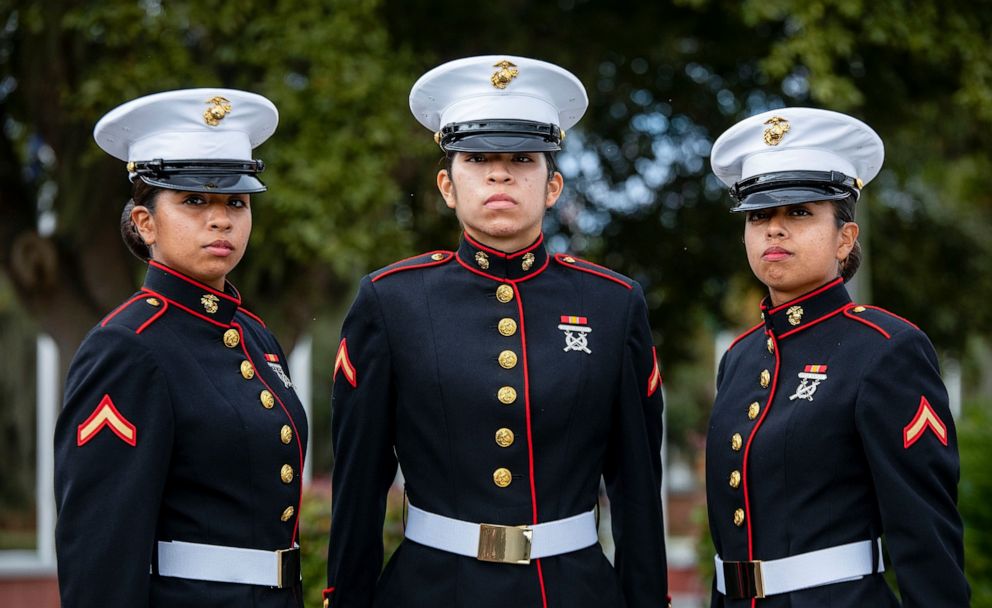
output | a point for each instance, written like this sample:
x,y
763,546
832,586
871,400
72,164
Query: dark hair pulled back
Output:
x,y
141,195
844,213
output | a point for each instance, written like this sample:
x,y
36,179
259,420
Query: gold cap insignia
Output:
x,y
220,107
795,315
131,166
209,302
506,72
482,260
527,262
779,127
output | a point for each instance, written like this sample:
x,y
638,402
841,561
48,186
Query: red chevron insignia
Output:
x,y
925,418
106,415
654,381
343,362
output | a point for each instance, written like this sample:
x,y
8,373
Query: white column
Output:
x,y
299,368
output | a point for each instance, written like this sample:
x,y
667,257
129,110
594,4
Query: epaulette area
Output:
x,y
424,260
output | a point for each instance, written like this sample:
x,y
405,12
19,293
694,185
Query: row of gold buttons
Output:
x,y
507,394
737,441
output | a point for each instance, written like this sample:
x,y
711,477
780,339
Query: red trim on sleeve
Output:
x,y
654,381
559,258
296,433
326,593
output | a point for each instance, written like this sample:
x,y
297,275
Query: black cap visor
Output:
x,y
222,177
500,136
793,188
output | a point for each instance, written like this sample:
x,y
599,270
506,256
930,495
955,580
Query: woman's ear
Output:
x,y
144,222
848,237
446,187
555,186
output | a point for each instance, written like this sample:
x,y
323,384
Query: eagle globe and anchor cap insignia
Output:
x,y
219,108
776,131
811,377
506,73
576,333
209,302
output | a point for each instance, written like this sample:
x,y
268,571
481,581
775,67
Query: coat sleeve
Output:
x,y
113,442
911,445
633,467
364,460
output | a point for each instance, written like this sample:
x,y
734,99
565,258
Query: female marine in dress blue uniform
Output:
x,y
831,426
505,380
179,450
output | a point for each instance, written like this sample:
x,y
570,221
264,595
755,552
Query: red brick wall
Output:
x,y
29,592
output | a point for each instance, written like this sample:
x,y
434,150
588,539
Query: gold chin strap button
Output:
x,y
268,401
504,293
247,370
231,338
736,442
765,378
287,514
286,434
739,517
502,477
507,327
504,438
507,395
735,479
286,473
753,410
508,359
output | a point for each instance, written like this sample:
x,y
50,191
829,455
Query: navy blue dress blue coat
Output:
x,y
831,426
418,381
178,424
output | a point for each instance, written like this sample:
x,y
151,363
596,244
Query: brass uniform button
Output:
x,y
765,378
735,479
286,434
508,359
860,309
771,345
507,327
736,442
247,370
231,338
504,293
437,257
287,514
286,473
507,395
153,302
504,438
268,401
753,410
568,259
502,477
739,517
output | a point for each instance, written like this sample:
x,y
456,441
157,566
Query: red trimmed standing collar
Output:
x,y
192,296
501,266
806,310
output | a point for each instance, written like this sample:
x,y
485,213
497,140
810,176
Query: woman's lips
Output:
x,y
775,254
500,201
220,248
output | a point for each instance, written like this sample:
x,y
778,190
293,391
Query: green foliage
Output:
x,y
975,496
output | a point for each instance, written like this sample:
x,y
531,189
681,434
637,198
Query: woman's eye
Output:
x,y
237,203
800,211
193,200
524,159
756,216
475,158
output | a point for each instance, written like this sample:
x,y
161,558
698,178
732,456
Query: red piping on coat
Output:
x,y
747,450
180,275
447,256
530,438
560,256
495,278
847,313
154,317
296,433
253,316
807,296
812,323
892,314
744,335
120,309
189,310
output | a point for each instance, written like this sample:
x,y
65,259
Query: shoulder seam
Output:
x,y
142,295
561,259
744,335
395,266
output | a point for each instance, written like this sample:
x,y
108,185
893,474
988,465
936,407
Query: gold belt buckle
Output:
x,y
504,544
744,580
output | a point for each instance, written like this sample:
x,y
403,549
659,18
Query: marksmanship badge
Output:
x,y
811,377
576,333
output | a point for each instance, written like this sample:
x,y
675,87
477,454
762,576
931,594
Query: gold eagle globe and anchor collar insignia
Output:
x,y
505,73
795,315
804,313
219,108
776,131
195,298
502,266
